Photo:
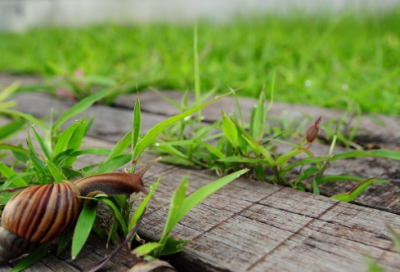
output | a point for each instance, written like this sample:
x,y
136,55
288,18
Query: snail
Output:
x,y
41,213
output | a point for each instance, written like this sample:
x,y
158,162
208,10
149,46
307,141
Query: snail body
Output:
x,y
41,213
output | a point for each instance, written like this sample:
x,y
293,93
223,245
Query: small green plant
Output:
x,y
60,150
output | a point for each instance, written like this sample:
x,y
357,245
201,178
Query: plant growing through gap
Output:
x,y
229,145
60,150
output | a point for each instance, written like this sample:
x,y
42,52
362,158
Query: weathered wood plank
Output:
x,y
112,124
388,135
249,225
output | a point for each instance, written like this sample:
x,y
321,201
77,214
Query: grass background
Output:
x,y
321,60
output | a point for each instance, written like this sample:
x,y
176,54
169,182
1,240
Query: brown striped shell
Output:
x,y
37,215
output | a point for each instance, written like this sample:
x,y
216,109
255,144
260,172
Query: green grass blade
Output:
x,y
26,116
213,150
63,140
44,147
145,249
345,177
197,87
57,174
240,159
83,228
115,163
195,198
355,192
32,258
282,160
177,200
152,134
10,180
120,147
79,107
229,129
11,128
76,140
139,211
374,153
136,126
9,173
257,122
116,213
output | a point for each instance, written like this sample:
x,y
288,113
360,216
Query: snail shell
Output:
x,y
37,215
42,213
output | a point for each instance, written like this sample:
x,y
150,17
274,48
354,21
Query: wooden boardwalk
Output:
x,y
248,225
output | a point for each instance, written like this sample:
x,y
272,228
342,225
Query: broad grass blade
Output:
x,y
145,249
229,129
9,173
57,174
9,129
83,227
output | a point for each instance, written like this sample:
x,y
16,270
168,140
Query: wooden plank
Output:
x,y
112,124
387,136
254,226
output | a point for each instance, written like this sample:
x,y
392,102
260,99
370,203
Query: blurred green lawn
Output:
x,y
320,60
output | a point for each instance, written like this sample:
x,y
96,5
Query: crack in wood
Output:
x,y
289,238
235,214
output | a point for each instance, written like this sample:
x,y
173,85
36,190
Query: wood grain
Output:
x,y
247,225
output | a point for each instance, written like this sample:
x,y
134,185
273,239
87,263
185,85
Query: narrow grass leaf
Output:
x,y
257,123
116,213
229,129
79,107
32,258
120,147
345,177
63,140
169,149
282,160
139,211
152,134
45,148
145,249
76,140
213,150
304,162
259,149
177,200
11,128
136,126
195,198
354,192
57,174
18,176
27,117
64,241
38,164
83,227
374,153
115,163
240,159
176,160
9,173
307,173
